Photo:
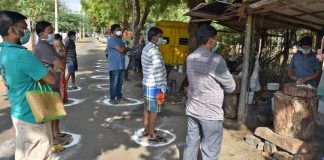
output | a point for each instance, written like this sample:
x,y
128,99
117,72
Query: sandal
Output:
x,y
64,135
144,134
158,139
59,141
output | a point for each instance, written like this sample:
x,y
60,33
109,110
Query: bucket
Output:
x,y
250,97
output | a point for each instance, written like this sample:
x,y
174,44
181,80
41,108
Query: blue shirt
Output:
x,y
20,70
116,60
305,66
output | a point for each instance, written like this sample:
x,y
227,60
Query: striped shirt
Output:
x,y
208,79
154,73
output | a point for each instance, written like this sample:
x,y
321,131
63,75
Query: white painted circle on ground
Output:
x,y
100,77
102,70
132,102
102,63
70,149
101,66
76,138
73,101
102,60
99,86
103,86
137,137
73,90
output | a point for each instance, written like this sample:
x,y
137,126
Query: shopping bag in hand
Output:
x,y
45,104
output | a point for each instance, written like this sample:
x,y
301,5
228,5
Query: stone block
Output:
x,y
252,140
269,148
307,156
260,146
291,145
280,155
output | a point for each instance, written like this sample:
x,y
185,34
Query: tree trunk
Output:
x,y
139,22
283,68
192,29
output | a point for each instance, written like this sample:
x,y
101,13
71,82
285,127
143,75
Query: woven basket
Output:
x,y
46,105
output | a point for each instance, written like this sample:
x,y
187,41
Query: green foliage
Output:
x,y
105,12
172,13
38,10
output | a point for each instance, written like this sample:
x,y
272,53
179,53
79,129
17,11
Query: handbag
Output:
x,y
45,104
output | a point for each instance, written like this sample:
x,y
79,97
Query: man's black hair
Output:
x,y
306,41
204,32
154,31
41,26
58,36
7,19
114,27
71,33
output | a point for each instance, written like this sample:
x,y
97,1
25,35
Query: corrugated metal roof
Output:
x,y
270,14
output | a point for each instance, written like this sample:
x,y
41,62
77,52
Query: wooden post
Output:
x,y
245,76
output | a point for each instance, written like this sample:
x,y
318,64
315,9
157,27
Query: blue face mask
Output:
x,y
26,37
160,41
51,37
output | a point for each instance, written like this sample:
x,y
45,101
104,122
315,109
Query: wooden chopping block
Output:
x,y
299,91
295,116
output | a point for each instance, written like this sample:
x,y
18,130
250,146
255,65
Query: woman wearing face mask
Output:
x,y
60,49
51,59
304,68
72,62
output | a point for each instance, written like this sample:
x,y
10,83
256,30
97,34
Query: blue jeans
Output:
x,y
204,134
116,83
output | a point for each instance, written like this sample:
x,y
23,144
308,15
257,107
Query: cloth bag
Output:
x,y
45,104
63,88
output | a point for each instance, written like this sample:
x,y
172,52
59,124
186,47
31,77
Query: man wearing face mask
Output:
x,y
304,68
116,64
208,79
154,82
21,70
45,52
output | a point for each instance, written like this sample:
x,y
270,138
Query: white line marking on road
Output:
x,y
100,77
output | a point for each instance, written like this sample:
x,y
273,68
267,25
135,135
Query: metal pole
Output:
x,y
56,18
245,75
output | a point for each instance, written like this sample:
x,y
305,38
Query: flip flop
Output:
x,y
64,135
158,139
144,134
59,141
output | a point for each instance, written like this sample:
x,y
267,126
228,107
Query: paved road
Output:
x,y
102,131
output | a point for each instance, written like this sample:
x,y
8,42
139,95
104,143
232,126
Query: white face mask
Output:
x,y
118,33
305,51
